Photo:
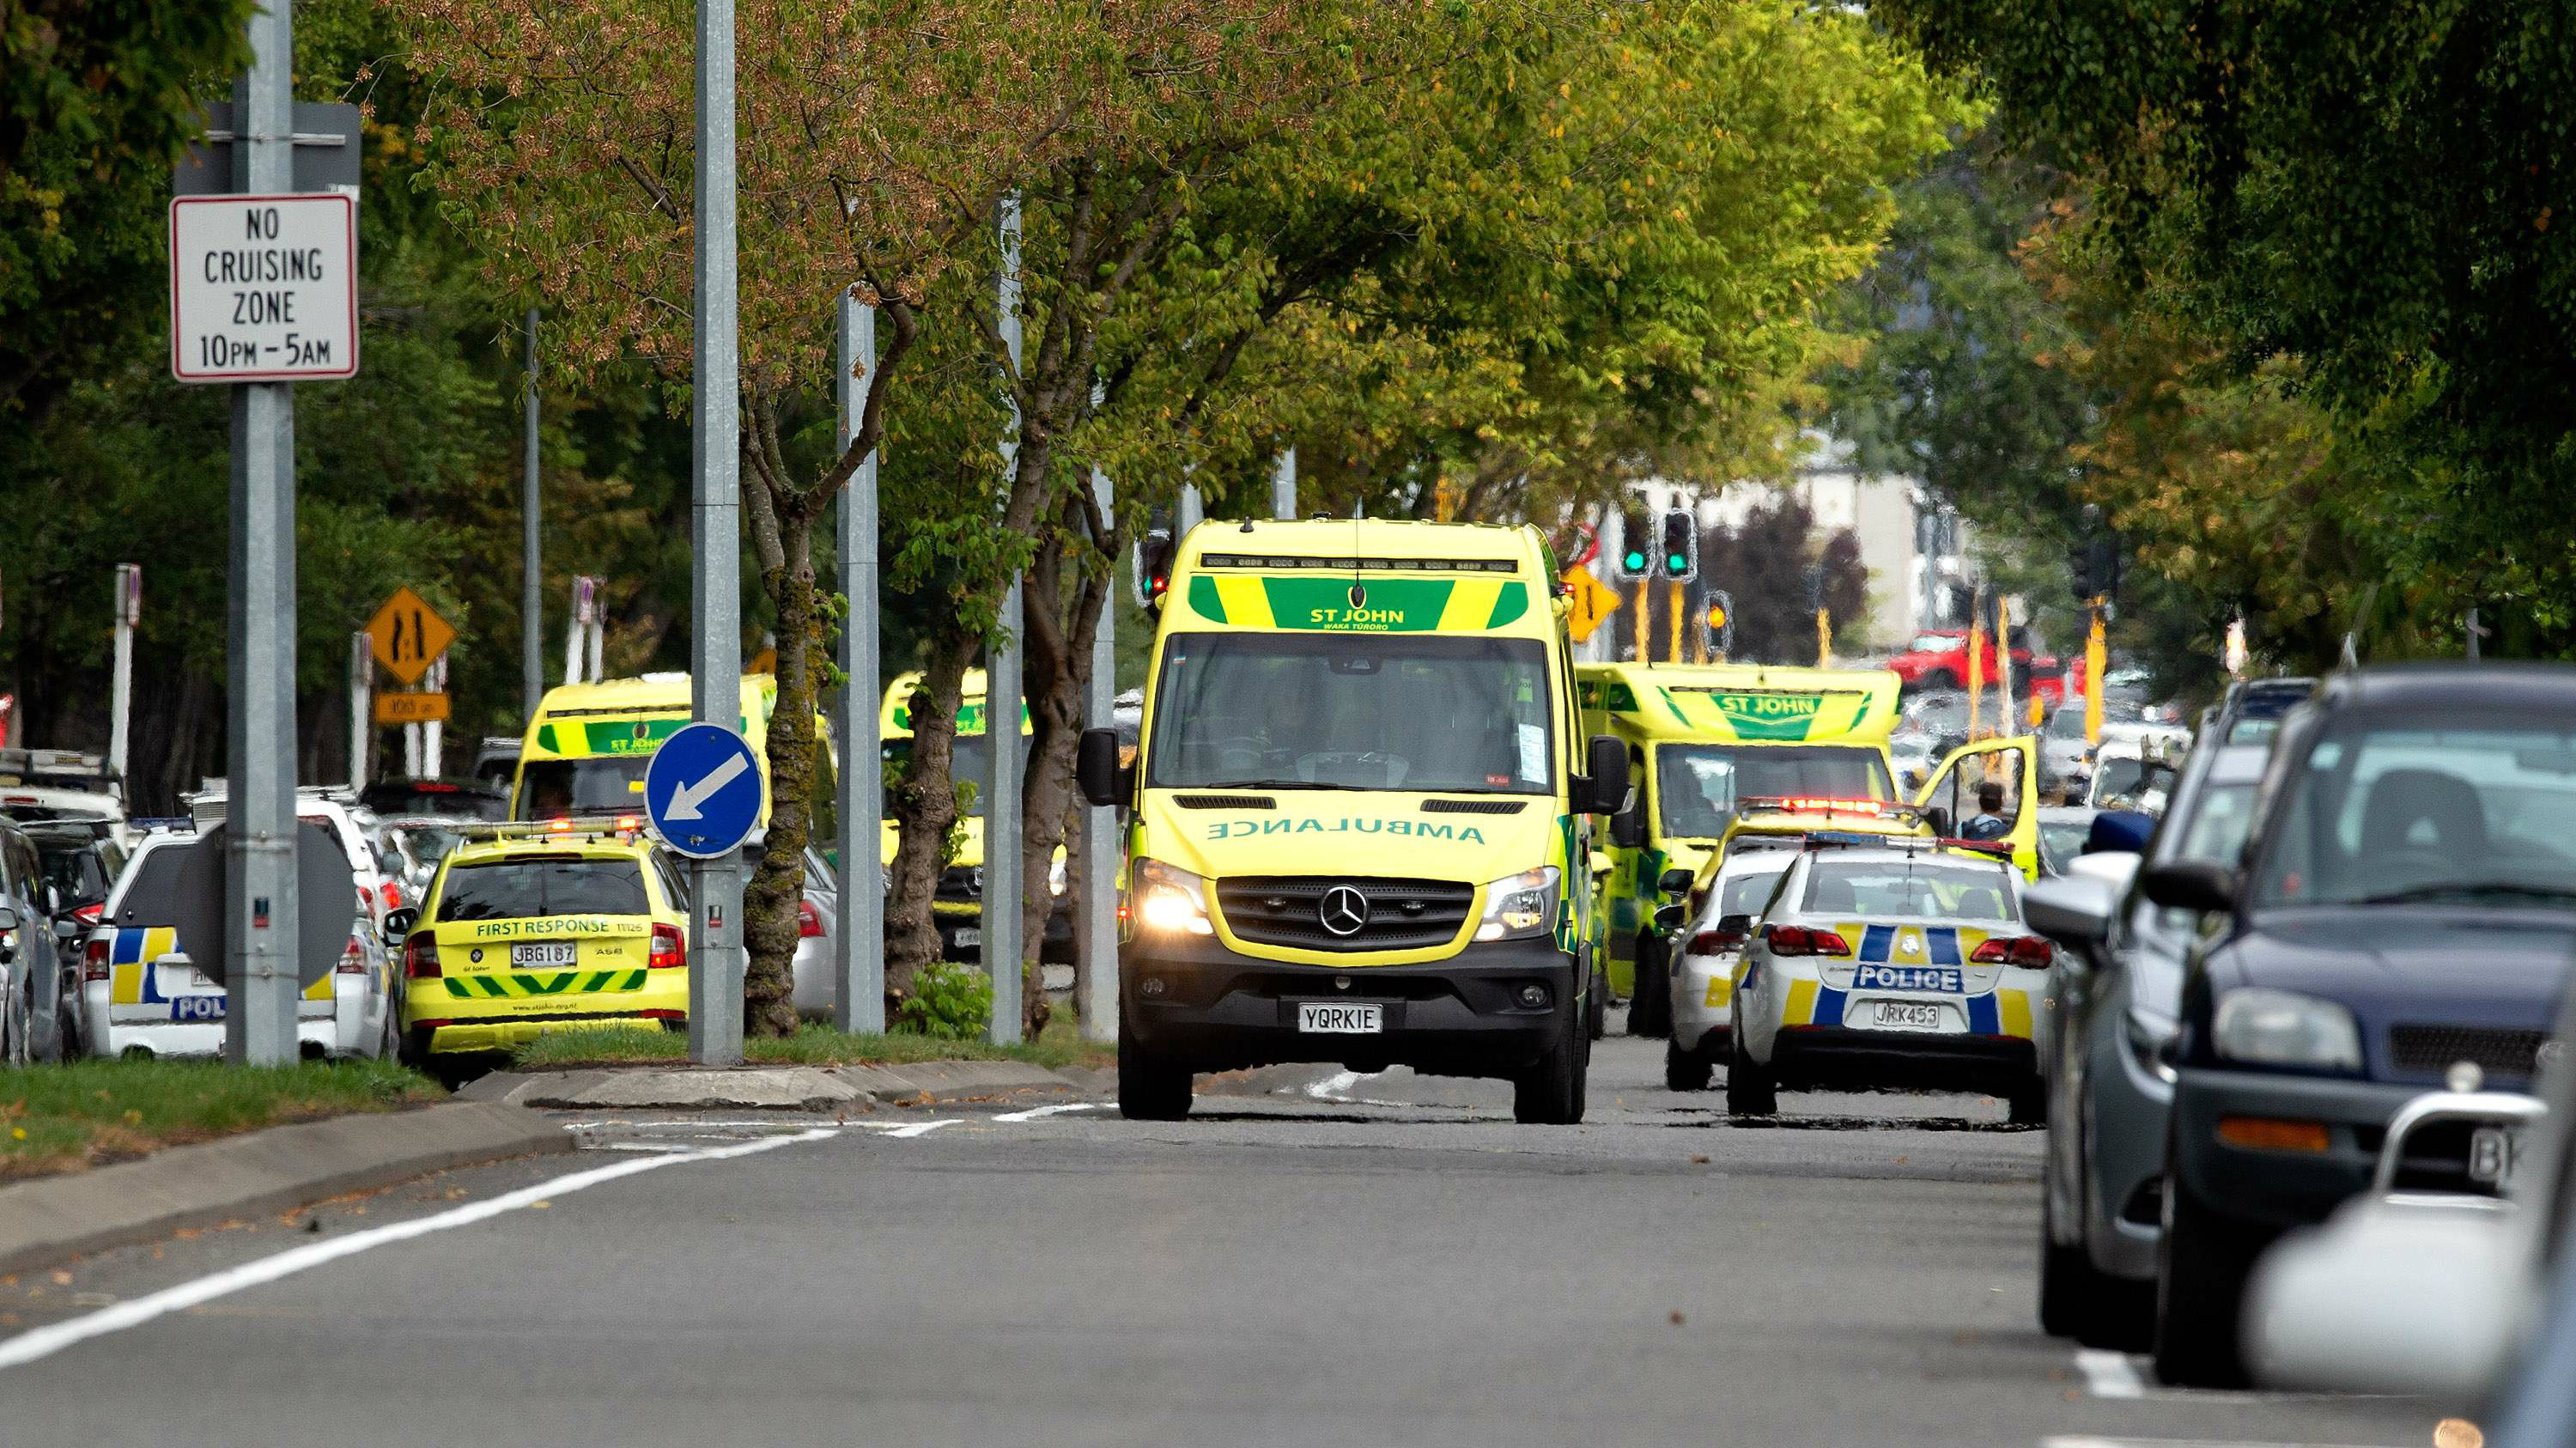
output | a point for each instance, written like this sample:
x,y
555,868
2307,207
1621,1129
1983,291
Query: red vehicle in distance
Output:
x,y
1938,659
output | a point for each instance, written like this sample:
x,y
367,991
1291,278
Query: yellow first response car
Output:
x,y
548,930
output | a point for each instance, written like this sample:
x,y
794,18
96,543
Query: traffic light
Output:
x,y
1154,554
1680,559
1636,542
2096,565
1718,624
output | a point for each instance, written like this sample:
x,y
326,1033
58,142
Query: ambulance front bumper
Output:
x,y
1194,1000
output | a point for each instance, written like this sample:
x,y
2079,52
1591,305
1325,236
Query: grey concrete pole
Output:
x,y
1283,486
120,686
362,690
858,941
1095,986
259,869
1002,956
532,642
715,507
1189,514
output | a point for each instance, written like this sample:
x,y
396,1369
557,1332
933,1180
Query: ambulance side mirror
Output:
x,y
1676,881
1095,769
1605,777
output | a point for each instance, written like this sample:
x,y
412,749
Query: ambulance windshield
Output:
x,y
1353,711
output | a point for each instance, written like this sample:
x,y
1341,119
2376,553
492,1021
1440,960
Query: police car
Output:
x,y
1879,965
545,927
142,993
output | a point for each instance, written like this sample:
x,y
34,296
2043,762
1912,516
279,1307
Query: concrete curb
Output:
x,y
765,1088
54,1218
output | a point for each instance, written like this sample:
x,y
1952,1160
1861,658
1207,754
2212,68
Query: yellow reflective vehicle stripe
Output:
x,y
1247,604
1802,1004
1471,602
1719,989
2016,1012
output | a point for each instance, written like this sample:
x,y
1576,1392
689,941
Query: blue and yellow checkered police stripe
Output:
x,y
1995,1013
134,952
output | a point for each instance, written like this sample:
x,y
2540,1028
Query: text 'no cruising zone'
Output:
x,y
263,288
703,790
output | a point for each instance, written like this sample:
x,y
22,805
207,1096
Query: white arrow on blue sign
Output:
x,y
703,791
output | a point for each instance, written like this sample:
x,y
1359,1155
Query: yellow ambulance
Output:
x,y
587,748
1712,746
957,907
1358,814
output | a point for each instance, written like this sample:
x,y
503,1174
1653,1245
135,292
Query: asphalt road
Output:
x,y
1314,1258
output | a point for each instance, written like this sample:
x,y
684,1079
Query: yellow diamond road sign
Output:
x,y
1592,603
408,636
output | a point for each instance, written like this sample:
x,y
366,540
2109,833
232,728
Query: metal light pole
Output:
x,y
1002,956
362,698
120,686
1283,487
1095,987
261,922
858,944
532,643
715,504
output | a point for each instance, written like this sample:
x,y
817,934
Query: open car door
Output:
x,y
2013,763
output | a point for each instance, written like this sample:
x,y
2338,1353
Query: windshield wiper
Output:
x,y
1269,784
2416,893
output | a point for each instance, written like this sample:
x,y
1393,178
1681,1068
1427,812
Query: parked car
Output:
x,y
1732,890
80,860
2115,996
143,993
2405,907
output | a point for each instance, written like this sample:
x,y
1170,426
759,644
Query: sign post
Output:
x,y
263,293
858,940
715,514
1001,948
120,688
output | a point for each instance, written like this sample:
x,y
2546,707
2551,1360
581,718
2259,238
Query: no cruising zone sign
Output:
x,y
263,288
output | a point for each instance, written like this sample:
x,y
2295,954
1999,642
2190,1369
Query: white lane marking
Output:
x,y
923,1128
44,1342
2109,1374
2088,1442
672,1123
1034,1112
664,1147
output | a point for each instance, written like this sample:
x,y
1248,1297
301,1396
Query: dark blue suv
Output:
x,y
2404,916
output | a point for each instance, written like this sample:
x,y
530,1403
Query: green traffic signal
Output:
x,y
1636,561
1676,562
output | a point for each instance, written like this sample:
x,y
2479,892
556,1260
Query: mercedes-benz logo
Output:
x,y
2549,1052
1343,910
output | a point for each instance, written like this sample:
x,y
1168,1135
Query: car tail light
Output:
x,y
809,921
1715,942
1806,940
91,913
669,949
420,956
94,964
353,961
2028,951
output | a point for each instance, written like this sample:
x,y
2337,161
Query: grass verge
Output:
x,y
90,1113
1061,1044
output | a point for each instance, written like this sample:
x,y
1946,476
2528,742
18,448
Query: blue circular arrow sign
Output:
x,y
703,791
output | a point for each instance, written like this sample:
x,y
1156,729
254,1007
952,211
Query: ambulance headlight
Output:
x,y
1170,901
1521,905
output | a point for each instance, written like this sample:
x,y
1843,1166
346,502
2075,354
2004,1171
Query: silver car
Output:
x,y
1702,980
2112,1005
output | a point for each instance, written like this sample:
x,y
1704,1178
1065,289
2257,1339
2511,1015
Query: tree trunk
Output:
x,y
924,806
769,903
1057,671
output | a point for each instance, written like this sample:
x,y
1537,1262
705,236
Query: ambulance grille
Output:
x,y
1285,910
1225,801
1474,806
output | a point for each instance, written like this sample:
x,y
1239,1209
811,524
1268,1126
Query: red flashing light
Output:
x,y
420,957
628,824
669,950
1807,940
559,825
1815,804
2027,951
392,891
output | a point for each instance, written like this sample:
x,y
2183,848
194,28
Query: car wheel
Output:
x,y
2078,1300
2027,1105
1550,1093
1650,1007
2200,1292
1150,1088
1750,1088
1686,1070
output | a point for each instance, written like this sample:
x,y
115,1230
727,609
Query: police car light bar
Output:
x,y
1823,805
